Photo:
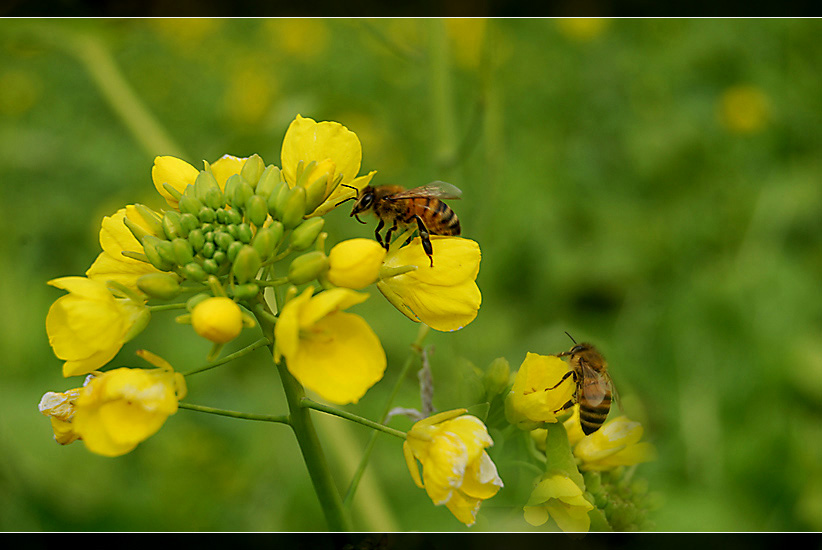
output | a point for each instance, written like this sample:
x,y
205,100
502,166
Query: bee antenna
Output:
x,y
571,337
345,200
350,187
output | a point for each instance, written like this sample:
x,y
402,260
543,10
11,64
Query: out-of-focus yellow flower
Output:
x,y
87,327
533,398
119,408
179,174
446,296
333,353
616,443
558,497
456,469
218,319
115,238
355,263
743,109
467,36
582,29
301,38
336,151
59,407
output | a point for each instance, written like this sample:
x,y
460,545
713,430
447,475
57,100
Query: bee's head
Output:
x,y
364,202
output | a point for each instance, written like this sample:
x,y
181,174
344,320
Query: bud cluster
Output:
x,y
235,230
624,502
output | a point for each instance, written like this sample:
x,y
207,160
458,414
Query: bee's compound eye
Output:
x,y
367,200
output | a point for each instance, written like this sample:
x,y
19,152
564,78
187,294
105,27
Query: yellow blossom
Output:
x,y
179,174
355,263
59,407
743,109
331,352
533,398
337,153
446,296
115,238
456,469
218,319
558,497
582,29
616,443
119,408
87,327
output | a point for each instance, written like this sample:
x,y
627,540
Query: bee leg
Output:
x,y
567,405
565,377
426,240
389,233
377,234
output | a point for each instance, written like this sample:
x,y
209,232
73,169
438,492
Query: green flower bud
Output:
x,y
246,264
195,272
208,249
203,184
210,266
189,204
315,192
150,247
276,200
244,233
269,179
307,267
159,285
183,251
135,229
166,251
152,219
266,241
233,249
256,208
306,233
223,240
246,291
233,216
241,190
192,302
215,198
173,226
206,215
232,230
176,195
252,169
496,377
293,208
221,215
189,222
220,257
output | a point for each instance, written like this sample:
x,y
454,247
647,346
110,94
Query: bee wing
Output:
x,y
435,189
594,384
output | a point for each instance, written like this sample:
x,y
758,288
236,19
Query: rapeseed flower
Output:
x,y
558,497
536,395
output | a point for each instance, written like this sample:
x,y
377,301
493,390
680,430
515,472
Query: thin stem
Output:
x,y
231,357
281,419
308,403
166,307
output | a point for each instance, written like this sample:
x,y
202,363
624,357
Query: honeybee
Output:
x,y
594,388
402,207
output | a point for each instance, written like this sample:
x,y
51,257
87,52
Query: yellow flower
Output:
x,y
218,319
446,296
582,29
355,263
456,470
333,353
115,238
179,174
558,497
119,408
743,109
533,398
59,407
87,327
616,443
335,149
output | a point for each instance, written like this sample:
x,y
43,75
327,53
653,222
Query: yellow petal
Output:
x,y
327,302
536,515
175,172
225,167
411,462
355,263
307,140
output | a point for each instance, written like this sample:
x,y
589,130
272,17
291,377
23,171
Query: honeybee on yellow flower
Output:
x,y
403,207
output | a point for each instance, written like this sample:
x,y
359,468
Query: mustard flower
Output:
x,y
456,469
558,497
88,326
331,352
59,407
218,319
336,152
446,296
115,238
118,409
179,174
743,109
533,399
616,443
355,263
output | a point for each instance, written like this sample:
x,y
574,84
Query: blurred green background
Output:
x,y
652,186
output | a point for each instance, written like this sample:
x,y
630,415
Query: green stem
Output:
x,y
306,434
281,419
355,481
308,403
166,307
231,357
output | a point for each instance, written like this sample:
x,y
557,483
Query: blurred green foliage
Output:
x,y
652,186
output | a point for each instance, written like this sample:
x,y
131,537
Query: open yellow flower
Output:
x,y
115,238
179,174
59,407
558,497
533,398
616,443
456,469
446,296
120,408
335,149
327,350
87,327
355,263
